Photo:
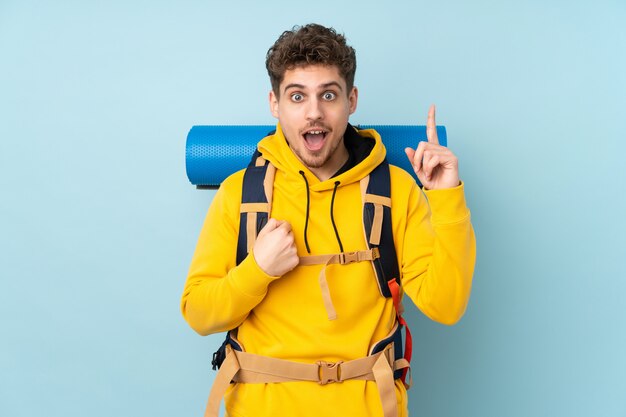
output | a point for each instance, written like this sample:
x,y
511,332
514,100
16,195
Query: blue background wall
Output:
x,y
98,222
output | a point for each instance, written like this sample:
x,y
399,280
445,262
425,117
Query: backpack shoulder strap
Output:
x,y
376,195
256,202
376,191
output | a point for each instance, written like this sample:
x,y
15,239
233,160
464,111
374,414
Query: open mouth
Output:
x,y
314,138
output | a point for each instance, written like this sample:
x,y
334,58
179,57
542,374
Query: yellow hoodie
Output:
x,y
284,317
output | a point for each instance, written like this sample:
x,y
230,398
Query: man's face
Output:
x,y
313,111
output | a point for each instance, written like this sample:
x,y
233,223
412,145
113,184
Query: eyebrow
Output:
x,y
322,86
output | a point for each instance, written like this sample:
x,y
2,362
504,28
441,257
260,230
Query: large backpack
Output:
x,y
256,200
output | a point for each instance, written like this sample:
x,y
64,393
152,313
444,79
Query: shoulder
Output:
x,y
233,183
404,188
401,179
228,196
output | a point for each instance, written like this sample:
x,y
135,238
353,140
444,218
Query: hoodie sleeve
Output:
x,y
218,294
439,253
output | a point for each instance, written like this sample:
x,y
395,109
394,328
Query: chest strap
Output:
x,y
341,259
250,368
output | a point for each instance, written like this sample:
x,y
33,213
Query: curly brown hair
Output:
x,y
311,44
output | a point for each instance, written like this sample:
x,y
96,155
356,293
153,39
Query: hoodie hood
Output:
x,y
275,149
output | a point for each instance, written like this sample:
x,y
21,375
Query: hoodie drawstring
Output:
x,y
325,260
332,217
306,220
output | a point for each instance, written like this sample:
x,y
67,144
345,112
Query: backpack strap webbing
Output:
x,y
337,258
256,203
242,367
376,195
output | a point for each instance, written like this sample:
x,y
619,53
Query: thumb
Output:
x,y
269,226
410,153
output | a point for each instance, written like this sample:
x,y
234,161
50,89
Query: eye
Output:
x,y
329,95
297,97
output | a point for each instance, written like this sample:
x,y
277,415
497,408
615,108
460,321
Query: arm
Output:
x,y
218,294
439,253
439,249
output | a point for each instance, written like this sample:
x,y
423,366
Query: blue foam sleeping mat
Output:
x,y
214,152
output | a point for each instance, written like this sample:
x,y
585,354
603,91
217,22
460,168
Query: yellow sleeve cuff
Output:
x,y
447,205
250,279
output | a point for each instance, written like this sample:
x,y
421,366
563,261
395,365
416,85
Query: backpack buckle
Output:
x,y
348,257
219,356
358,256
329,372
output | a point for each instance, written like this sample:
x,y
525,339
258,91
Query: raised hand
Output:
x,y
435,165
275,249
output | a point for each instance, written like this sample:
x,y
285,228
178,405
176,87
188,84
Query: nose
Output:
x,y
314,110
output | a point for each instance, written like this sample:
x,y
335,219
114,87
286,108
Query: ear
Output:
x,y
273,104
353,98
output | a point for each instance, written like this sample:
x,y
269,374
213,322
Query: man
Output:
x,y
290,312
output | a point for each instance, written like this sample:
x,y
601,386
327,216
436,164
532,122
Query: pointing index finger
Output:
x,y
431,126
